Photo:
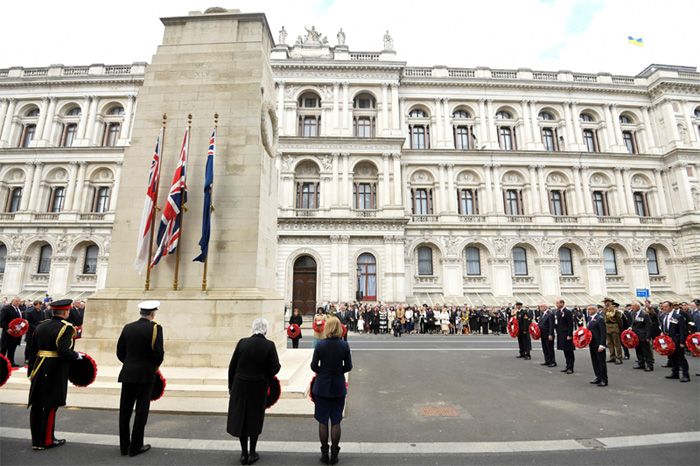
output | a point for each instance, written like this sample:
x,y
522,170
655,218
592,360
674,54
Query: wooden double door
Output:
x,y
304,285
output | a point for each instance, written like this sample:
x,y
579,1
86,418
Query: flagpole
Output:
x,y
211,206
147,285
182,210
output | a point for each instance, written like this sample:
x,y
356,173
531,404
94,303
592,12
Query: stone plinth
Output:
x,y
208,63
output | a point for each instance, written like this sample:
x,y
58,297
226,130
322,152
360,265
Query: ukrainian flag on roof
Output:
x,y
639,42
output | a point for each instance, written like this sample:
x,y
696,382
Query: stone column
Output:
x,y
536,138
437,138
101,272
498,194
451,191
533,196
326,187
82,124
660,193
549,276
502,278
280,107
385,110
58,278
610,127
70,191
620,192
36,184
648,130
346,128
128,118
27,187
578,190
395,110
490,206
91,121
79,186
440,191
115,187
347,195
493,135
452,276
336,175
684,194
48,124
672,135
595,271
692,130
568,119
344,283
627,186
528,131
616,126
386,189
484,139
449,140
639,271
544,198
336,108
43,111
578,134
4,103
13,282
586,183
403,130
7,124
398,183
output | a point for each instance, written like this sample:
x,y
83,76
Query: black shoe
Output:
x,y
564,370
56,443
527,358
554,364
649,369
638,366
610,361
124,452
143,449
602,384
673,376
685,378
253,458
324,454
570,371
520,356
595,382
244,459
544,364
334,455
618,362
37,448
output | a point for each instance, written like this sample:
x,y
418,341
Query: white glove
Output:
x,y
80,356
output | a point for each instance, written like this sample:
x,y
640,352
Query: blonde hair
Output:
x,y
333,328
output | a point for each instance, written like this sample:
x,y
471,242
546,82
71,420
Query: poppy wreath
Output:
x,y
311,389
18,327
274,392
692,343
534,331
664,345
158,387
345,330
582,337
293,331
513,327
5,369
629,339
82,372
319,325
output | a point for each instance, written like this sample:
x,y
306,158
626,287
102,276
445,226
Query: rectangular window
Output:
x,y
308,195
68,136
640,204
422,201
468,201
630,142
365,196
463,137
28,132
652,262
101,201
310,126
363,127
111,134
512,199
506,138
44,259
590,140
14,200
566,263
549,139
600,203
420,137
58,195
610,261
425,261
557,202
473,261
519,262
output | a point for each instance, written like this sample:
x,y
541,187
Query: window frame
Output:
x,y
468,201
44,265
57,199
566,264
520,261
655,261
99,201
14,199
425,264
610,261
474,261
90,268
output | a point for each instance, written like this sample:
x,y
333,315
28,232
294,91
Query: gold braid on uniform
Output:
x,y
154,335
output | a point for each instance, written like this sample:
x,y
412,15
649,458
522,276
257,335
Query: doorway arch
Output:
x,y
304,285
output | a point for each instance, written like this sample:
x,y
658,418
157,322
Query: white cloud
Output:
x,y
496,33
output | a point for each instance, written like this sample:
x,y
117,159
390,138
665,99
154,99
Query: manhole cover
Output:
x,y
439,411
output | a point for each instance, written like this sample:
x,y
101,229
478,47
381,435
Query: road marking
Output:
x,y
397,448
431,349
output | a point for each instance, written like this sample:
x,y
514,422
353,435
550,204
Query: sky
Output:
x,y
576,35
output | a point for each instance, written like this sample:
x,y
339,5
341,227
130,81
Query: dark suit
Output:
x,y
546,325
642,327
524,342
299,321
50,354
253,364
8,343
599,338
675,325
34,318
565,333
140,349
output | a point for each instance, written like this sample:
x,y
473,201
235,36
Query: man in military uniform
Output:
x,y
613,324
565,334
140,349
641,325
597,346
50,355
675,325
524,319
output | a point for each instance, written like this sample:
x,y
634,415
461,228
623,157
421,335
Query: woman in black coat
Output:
x,y
296,319
253,365
330,362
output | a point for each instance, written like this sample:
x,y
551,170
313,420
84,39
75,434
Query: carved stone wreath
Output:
x,y
268,128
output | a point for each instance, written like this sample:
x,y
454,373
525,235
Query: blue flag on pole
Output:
x,y
206,210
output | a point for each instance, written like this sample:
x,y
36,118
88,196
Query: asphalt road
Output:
x,y
431,390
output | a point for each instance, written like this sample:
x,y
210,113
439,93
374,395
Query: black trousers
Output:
x,y
8,345
600,368
138,394
42,423
485,328
524,343
570,358
548,350
643,352
295,343
678,361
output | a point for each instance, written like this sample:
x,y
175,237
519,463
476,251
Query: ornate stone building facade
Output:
x,y
396,183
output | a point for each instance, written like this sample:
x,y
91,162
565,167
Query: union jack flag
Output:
x,y
148,211
169,230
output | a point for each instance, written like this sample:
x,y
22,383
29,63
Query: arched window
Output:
x,y
44,259
309,100
33,113
90,262
472,256
461,114
363,101
364,115
625,119
697,112
652,262
425,260
503,115
417,113
309,111
117,110
545,116
566,263
3,257
519,261
75,111
586,117
610,259
367,276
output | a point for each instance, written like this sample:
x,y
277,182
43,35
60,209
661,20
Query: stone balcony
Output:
x,y
565,219
650,220
472,218
609,219
60,71
519,218
424,218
